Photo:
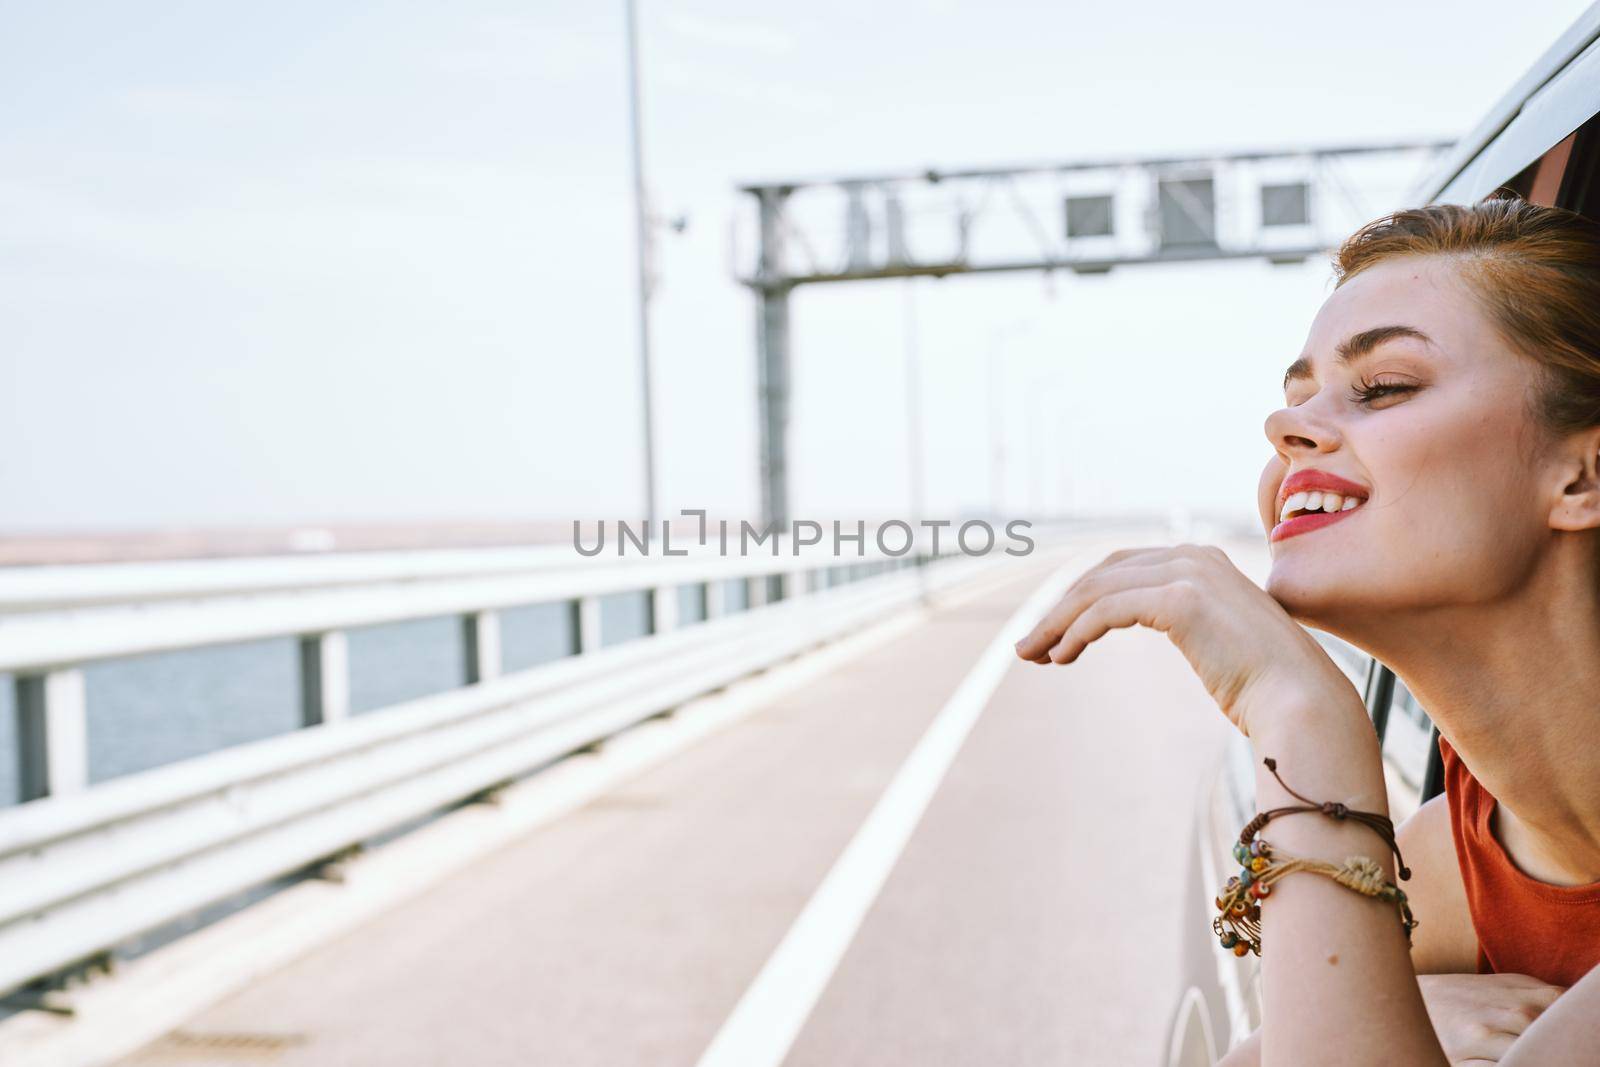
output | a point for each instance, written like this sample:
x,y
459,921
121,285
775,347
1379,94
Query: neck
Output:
x,y
1514,684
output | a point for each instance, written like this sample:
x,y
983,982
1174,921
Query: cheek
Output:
x,y
1272,476
1479,508
1453,489
1446,524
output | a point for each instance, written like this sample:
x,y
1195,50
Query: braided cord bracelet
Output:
x,y
1238,924
1379,824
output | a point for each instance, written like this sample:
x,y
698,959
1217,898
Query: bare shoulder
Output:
x,y
1444,941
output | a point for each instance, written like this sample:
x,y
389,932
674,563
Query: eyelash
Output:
x,y
1367,392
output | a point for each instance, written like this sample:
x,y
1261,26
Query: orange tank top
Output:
x,y
1524,926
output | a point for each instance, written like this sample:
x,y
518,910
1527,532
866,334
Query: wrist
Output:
x,y
1326,749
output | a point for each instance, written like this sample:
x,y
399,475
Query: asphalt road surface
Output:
x,y
1029,914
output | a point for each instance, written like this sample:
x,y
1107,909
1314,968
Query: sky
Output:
x,y
361,261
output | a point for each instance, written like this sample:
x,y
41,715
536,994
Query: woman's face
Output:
x,y
1452,513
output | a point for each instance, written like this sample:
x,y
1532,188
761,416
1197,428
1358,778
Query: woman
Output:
x,y
1450,388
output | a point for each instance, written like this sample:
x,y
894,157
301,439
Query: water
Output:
x,y
404,660
148,711
151,710
536,634
735,595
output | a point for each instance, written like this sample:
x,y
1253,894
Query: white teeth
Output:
x,y
1318,500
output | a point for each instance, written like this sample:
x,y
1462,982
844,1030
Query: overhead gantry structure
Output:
x,y
1088,217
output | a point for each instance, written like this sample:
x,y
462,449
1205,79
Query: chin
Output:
x,y
1314,595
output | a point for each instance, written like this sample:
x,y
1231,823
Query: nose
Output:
x,y
1305,427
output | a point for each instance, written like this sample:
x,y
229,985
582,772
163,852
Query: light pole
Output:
x,y
999,337
997,445
914,424
642,230
914,405
1038,474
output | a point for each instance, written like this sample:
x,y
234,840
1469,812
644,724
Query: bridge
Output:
x,y
816,813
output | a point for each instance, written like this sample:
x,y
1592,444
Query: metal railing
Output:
x,y
59,622
59,588
86,867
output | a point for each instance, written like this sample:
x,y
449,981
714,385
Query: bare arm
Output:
x,y
1479,1018
1569,1033
1337,980
1471,1018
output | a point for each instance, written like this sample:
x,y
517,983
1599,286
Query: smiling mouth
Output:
x,y
1312,512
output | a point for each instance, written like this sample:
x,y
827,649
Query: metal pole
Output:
x,y
999,338
772,366
914,424
997,460
642,225
1035,444
913,406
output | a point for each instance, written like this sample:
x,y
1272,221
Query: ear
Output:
x,y
1578,507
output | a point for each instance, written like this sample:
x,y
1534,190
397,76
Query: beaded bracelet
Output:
x,y
1239,902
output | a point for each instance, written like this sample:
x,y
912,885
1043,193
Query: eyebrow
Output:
x,y
1355,346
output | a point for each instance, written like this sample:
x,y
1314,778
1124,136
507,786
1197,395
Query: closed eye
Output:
x,y
1366,393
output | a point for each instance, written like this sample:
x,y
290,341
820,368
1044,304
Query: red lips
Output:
x,y
1306,481
1306,523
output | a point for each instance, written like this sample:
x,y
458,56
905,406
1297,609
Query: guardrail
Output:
x,y
85,868
44,648
79,585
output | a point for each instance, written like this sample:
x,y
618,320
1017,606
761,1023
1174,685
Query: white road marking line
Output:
x,y
768,1018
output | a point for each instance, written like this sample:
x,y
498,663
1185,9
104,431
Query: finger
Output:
x,y
1490,1046
1532,1003
1517,981
1084,592
1038,641
1093,620
1152,606
1511,1020
1526,994
1542,996
1122,555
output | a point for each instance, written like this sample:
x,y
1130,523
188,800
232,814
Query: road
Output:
x,y
1028,914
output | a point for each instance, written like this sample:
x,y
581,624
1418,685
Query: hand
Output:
x,y
1255,661
1479,1016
